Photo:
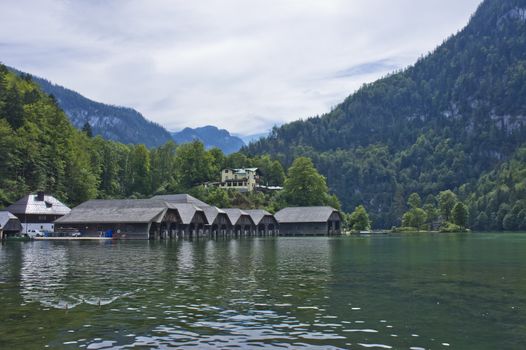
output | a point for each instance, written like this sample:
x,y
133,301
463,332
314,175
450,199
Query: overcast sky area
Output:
x,y
243,65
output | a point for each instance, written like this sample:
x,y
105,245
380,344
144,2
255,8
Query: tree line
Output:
x,y
454,120
41,150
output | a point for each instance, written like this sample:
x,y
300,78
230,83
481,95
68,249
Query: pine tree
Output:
x,y
87,129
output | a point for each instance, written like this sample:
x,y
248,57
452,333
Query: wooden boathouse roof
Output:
x,y
187,212
304,214
181,198
9,222
212,213
235,214
258,214
116,211
129,211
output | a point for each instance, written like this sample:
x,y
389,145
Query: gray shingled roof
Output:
x,y
127,211
181,198
212,212
234,214
30,205
304,214
5,216
186,211
258,214
116,211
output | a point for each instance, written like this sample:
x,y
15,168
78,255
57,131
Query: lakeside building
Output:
x,y
193,220
38,212
241,221
126,219
218,220
309,221
9,225
181,215
265,223
243,180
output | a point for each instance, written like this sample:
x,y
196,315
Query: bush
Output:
x,y
448,227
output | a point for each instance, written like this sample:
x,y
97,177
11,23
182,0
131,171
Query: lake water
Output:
x,y
447,291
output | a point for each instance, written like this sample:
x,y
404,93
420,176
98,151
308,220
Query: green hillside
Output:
x,y
42,150
455,115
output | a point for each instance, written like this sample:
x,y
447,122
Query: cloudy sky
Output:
x,y
244,65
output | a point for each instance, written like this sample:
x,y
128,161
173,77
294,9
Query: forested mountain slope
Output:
x,y
455,115
40,149
115,123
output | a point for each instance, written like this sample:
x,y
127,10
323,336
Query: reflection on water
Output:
x,y
413,292
43,276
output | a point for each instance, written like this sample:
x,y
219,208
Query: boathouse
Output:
x,y
265,223
193,220
218,221
124,219
9,225
309,221
242,223
38,211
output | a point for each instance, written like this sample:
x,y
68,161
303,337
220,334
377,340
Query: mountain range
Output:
x,y
455,120
456,115
210,136
126,125
114,123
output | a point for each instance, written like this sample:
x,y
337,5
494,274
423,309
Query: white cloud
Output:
x,y
243,65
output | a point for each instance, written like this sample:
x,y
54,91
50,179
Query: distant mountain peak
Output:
x,y
211,136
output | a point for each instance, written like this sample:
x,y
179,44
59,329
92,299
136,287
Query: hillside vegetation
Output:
x,y
42,150
115,123
454,120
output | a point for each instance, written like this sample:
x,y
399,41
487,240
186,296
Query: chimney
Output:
x,y
40,196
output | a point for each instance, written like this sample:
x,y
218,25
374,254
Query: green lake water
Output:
x,y
441,291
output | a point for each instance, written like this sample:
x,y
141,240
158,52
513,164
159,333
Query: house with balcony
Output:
x,y
243,180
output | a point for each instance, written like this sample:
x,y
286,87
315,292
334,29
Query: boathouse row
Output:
x,y
135,219
309,221
182,215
